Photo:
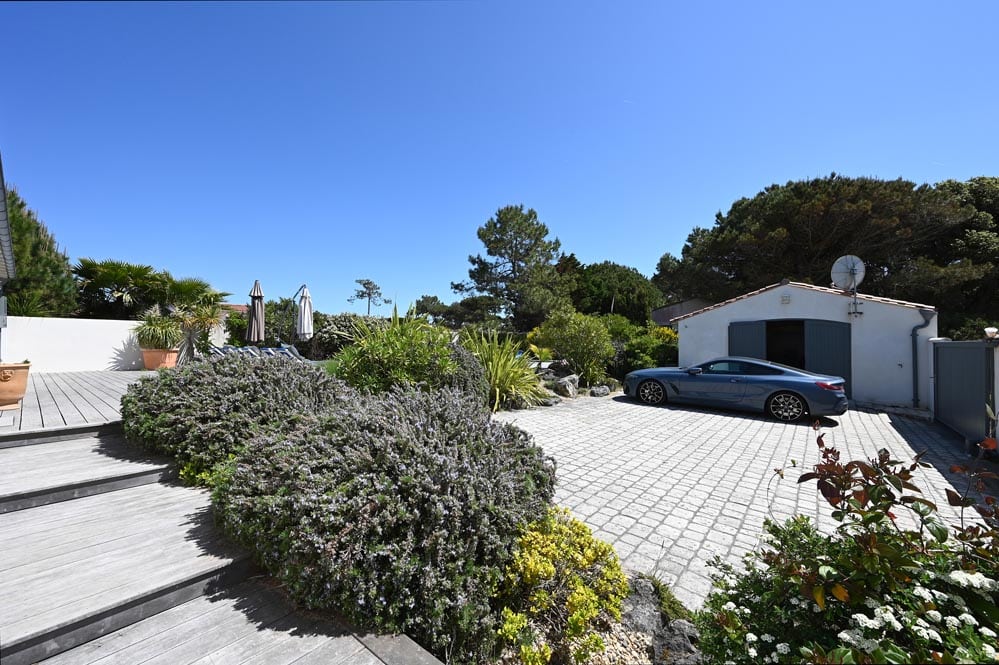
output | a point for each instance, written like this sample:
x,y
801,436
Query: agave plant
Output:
x,y
509,371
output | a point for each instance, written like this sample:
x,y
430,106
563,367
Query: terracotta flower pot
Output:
x,y
13,384
159,358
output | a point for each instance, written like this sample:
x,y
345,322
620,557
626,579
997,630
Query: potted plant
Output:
x,y
13,384
159,338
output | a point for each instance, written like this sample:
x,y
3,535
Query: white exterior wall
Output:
x,y
70,345
881,338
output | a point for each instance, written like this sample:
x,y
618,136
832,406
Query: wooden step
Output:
x,y
59,470
76,570
249,623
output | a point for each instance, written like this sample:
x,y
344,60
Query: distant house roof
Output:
x,y
663,316
242,309
7,271
810,287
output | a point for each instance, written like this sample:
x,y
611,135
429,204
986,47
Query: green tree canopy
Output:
x,y
520,271
610,288
919,242
473,310
371,292
112,289
43,284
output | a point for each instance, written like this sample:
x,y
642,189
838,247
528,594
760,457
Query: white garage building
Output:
x,y
879,345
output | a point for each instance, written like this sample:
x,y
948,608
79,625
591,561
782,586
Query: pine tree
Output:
x,y
43,284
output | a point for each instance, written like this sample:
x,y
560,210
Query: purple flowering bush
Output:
x,y
400,511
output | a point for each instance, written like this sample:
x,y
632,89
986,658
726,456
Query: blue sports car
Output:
x,y
750,384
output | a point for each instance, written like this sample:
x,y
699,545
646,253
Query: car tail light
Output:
x,y
829,386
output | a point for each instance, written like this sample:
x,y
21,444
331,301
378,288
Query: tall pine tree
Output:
x,y
43,284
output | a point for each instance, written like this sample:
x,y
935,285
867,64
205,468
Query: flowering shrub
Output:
x,y
203,412
400,511
563,584
874,592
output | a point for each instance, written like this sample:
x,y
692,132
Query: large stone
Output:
x,y
567,386
640,610
599,391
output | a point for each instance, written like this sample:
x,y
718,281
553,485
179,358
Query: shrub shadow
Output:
x,y
258,597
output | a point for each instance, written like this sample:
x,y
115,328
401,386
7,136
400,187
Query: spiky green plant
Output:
x,y
512,379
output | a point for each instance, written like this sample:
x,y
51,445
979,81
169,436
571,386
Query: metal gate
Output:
x,y
964,383
827,345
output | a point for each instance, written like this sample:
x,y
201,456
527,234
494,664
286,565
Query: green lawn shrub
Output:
x,y
580,339
562,587
410,350
400,512
336,331
511,379
203,412
881,589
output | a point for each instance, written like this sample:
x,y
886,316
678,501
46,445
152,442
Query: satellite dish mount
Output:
x,y
847,274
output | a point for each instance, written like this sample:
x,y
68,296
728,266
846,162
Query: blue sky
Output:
x,y
328,142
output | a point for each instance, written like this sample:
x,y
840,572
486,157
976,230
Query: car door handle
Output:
x,y
735,380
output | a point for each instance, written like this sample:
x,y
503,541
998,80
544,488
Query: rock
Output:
x,y
640,610
551,401
599,391
676,644
567,386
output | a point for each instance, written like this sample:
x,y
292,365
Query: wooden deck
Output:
x,y
68,399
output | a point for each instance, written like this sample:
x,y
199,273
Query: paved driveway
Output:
x,y
671,487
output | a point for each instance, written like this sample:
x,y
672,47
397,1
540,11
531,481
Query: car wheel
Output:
x,y
651,392
787,407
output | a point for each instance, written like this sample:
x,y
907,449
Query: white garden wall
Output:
x,y
881,337
70,345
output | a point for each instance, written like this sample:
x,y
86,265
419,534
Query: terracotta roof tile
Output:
x,y
810,287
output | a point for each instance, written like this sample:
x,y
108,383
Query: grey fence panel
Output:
x,y
964,380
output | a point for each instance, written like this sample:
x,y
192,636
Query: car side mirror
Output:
x,y
694,371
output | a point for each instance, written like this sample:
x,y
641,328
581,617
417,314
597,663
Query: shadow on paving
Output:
x,y
945,449
824,422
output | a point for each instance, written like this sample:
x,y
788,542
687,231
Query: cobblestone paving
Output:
x,y
671,487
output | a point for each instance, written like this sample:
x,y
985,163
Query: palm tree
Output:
x,y
112,289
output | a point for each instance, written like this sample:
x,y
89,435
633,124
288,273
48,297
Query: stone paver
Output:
x,y
672,487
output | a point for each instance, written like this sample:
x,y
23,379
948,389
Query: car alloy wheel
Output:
x,y
651,392
786,406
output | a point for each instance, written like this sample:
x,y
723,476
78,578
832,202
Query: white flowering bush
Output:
x,y
873,592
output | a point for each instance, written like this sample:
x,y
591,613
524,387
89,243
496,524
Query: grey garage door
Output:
x,y
964,379
827,349
826,345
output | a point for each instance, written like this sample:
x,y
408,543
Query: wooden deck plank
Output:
x,y
102,391
339,652
29,416
66,405
97,571
60,399
49,466
80,398
107,646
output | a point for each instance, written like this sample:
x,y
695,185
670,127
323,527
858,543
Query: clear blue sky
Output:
x,y
328,142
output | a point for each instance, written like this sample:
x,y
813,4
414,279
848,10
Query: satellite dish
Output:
x,y
848,272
